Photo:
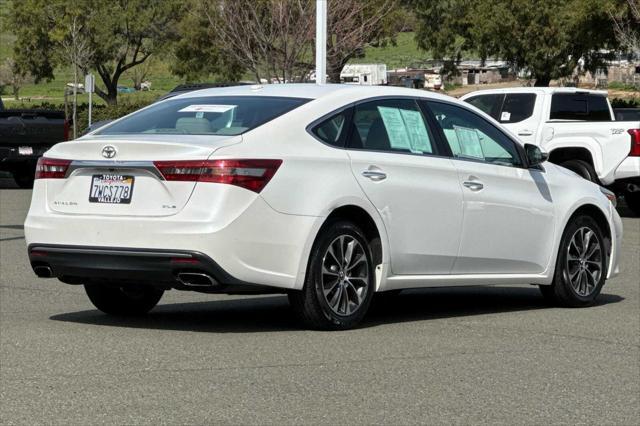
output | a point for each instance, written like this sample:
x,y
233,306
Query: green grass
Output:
x,y
402,54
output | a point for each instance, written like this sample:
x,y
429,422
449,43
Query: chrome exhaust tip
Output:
x,y
196,279
43,271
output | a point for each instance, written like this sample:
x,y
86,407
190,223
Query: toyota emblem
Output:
x,y
109,151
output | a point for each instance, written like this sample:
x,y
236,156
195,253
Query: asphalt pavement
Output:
x,y
494,355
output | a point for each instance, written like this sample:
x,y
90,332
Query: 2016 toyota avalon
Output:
x,y
329,193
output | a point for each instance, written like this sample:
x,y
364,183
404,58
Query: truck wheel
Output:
x,y
123,301
24,176
582,168
633,201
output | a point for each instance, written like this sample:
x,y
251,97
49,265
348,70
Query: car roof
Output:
x,y
545,90
311,91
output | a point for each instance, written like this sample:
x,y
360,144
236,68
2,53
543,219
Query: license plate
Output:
x,y
111,189
25,150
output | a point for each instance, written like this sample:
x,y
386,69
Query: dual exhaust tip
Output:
x,y
196,279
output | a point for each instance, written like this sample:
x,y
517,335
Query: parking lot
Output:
x,y
458,355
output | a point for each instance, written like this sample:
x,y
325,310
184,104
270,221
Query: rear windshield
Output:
x,y
214,115
578,106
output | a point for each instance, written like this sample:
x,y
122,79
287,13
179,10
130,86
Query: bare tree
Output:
x,y
269,38
78,53
352,25
627,28
11,76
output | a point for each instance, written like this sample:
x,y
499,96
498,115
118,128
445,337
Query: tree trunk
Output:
x,y
334,74
16,94
75,101
542,81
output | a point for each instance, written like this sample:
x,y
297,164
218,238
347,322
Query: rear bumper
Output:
x,y
248,239
11,154
160,268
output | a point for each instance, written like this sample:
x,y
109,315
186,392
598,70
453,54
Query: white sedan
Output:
x,y
329,193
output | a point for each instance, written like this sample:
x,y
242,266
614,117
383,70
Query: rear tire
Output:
x,y
582,168
340,280
123,301
633,201
581,265
24,177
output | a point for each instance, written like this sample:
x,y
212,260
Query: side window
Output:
x,y
394,125
489,104
569,106
517,107
471,137
332,130
599,108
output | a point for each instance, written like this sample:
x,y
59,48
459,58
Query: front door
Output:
x,y
508,211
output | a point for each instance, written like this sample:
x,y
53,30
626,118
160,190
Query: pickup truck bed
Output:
x,y
25,134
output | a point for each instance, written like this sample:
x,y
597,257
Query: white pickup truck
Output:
x,y
576,127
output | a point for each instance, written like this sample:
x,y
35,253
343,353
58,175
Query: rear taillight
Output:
x,y
249,174
635,142
51,168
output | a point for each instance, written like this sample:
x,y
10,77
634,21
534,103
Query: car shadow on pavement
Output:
x,y
272,313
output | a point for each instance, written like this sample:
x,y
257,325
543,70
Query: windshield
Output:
x,y
212,115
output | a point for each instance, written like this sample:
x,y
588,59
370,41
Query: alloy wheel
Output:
x,y
345,275
584,261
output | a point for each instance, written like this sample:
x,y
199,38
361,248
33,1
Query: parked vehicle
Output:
x,y
578,130
364,74
330,193
627,114
25,134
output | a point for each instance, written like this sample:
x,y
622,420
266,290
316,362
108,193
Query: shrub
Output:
x,y
625,103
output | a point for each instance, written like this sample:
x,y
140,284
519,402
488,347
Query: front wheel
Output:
x,y
123,301
340,280
581,265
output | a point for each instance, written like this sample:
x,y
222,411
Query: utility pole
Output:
x,y
321,41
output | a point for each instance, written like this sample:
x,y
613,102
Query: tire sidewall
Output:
x,y
332,232
565,289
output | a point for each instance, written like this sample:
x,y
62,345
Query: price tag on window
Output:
x,y
506,116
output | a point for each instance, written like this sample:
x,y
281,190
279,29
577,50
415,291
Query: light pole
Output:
x,y
321,41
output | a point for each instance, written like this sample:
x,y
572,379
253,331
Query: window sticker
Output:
x,y
506,116
417,131
208,108
396,130
469,141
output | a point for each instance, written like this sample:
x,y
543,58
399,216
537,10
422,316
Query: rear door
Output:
x,y
508,222
519,112
395,159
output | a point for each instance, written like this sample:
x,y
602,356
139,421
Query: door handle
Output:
x,y
374,175
525,132
474,186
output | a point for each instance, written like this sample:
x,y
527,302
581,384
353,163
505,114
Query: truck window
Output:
x,y
599,108
517,107
489,104
581,107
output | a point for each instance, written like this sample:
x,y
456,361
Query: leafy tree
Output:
x,y
546,37
121,34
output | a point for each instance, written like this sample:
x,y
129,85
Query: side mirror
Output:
x,y
535,156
